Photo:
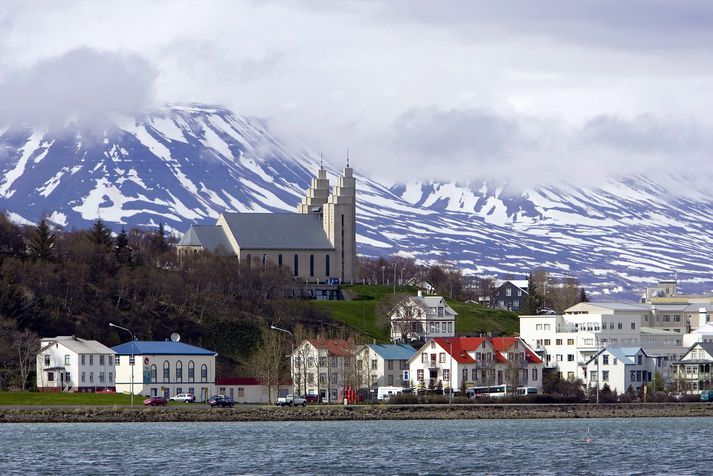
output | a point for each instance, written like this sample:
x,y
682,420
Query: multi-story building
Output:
x,y
422,317
475,361
380,365
511,295
324,367
164,368
71,364
620,368
693,373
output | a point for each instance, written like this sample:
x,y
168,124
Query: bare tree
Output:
x,y
268,361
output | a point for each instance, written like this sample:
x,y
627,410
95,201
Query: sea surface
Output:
x,y
645,446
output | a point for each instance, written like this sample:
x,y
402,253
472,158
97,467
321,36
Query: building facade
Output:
x,y
693,373
383,365
164,368
421,317
316,243
72,364
621,368
511,295
324,367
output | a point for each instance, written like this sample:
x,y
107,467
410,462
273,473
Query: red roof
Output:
x,y
334,346
500,358
502,344
459,347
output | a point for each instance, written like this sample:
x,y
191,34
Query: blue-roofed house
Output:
x,y
380,365
165,368
316,243
621,367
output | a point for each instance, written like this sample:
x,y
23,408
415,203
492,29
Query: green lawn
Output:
x,y
62,398
361,313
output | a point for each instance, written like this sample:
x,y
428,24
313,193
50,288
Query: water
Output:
x,y
676,446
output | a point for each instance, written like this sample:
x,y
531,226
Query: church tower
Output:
x,y
339,221
316,195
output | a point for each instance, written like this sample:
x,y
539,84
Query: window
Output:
x,y
111,377
473,374
403,364
322,361
166,371
611,325
91,359
101,359
154,373
374,363
519,292
419,375
322,378
615,361
334,361
204,373
279,261
424,358
390,364
538,327
559,358
619,326
442,357
605,375
547,341
50,376
546,327
47,360
101,377
570,376
570,357
534,374
640,359
508,292
440,311
558,341
84,379
191,371
605,359
117,360
310,361
91,377
446,374
66,359
633,325
295,266
335,378
570,341
179,371
311,265
515,304
81,359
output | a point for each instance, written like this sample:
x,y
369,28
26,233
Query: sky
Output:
x,y
522,91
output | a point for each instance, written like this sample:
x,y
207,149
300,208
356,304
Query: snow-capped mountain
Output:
x,y
186,164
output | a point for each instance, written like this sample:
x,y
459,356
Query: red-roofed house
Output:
x,y
476,361
324,367
249,389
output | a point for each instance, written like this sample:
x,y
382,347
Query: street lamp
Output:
x,y
292,367
132,358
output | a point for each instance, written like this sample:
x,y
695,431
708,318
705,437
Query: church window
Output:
x,y
311,265
326,261
295,267
279,261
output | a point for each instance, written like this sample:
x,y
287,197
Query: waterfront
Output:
x,y
553,446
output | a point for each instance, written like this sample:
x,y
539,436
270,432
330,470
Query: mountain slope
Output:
x,y
186,164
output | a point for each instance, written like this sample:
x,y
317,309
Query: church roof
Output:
x,y
291,231
210,237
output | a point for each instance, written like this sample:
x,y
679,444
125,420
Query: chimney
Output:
x,y
420,293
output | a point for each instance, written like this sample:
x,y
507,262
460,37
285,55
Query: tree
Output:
x,y
100,234
160,239
122,250
534,298
267,362
42,241
583,295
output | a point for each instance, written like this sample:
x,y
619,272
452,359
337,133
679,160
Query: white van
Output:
x,y
385,393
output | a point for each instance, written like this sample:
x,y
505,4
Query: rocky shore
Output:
x,y
333,413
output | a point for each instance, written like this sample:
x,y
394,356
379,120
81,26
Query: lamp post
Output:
x,y
450,371
401,281
292,354
132,358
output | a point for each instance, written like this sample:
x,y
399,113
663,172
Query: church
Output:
x,y
317,244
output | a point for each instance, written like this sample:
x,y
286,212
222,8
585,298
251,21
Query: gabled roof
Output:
x,y
518,283
333,346
426,303
78,345
290,231
503,344
210,237
458,347
148,347
625,355
393,351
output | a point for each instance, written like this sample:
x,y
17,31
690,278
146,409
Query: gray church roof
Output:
x,y
290,231
210,237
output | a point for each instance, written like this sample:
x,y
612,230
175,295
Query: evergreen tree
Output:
x,y
122,250
583,295
161,245
100,234
42,241
534,298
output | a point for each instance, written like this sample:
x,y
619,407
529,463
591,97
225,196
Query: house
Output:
x,y
250,389
316,243
421,317
692,373
324,367
380,365
620,368
72,364
511,295
475,361
183,368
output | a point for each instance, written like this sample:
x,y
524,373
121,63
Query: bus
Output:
x,y
493,391
522,391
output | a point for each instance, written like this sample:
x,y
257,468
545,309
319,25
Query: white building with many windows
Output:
x,y
324,367
620,368
383,365
422,317
165,368
72,364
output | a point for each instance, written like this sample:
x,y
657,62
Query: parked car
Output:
x,y
155,402
291,401
311,398
221,401
184,397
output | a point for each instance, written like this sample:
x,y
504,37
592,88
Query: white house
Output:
x,y
422,317
693,372
620,367
383,365
475,361
72,364
324,367
249,389
165,368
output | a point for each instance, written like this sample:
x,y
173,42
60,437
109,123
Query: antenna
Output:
x,y
321,164
176,337
347,157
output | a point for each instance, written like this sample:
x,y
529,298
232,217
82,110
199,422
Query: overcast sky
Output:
x,y
416,89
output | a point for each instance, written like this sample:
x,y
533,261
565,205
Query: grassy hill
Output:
x,y
362,313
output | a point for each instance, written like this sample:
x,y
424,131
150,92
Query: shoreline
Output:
x,y
356,413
